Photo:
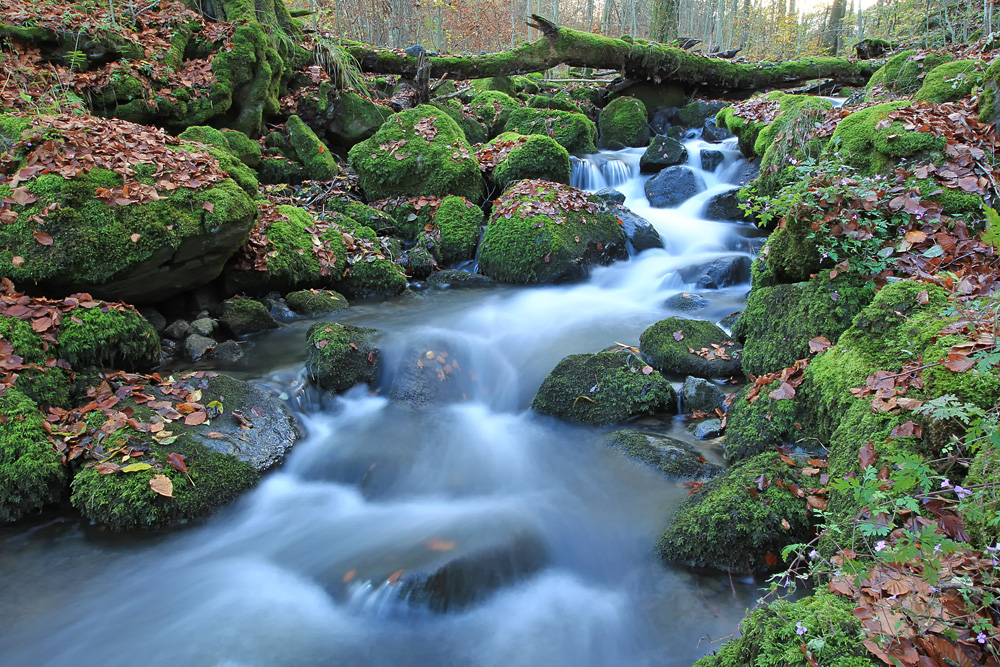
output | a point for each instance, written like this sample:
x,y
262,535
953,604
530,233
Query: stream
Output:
x,y
558,528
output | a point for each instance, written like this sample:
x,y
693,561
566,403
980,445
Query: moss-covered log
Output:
x,y
637,59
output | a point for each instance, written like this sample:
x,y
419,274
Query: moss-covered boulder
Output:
x,y
310,302
951,81
246,431
475,131
341,356
775,633
108,336
860,142
981,521
758,425
755,137
445,231
695,113
544,232
779,321
491,107
352,118
574,132
246,316
623,121
603,388
989,97
730,524
672,457
549,102
903,73
137,249
312,153
532,157
420,151
234,142
31,473
662,152
690,347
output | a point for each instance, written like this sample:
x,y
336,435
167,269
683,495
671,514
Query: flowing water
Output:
x,y
544,535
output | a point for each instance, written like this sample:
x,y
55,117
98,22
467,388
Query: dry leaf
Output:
x,y
162,485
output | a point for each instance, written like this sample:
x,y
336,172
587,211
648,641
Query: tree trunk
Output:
x,y
664,23
639,62
835,25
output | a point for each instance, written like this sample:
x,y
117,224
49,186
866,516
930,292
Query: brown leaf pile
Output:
x,y
538,197
491,155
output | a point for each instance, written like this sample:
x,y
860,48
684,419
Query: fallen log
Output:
x,y
636,59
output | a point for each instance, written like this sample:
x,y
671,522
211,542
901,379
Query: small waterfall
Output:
x,y
594,172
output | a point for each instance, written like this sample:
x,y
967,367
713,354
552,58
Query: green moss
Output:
x,y
104,337
281,170
671,457
779,321
623,121
756,137
694,114
316,302
540,248
546,102
951,81
726,526
752,428
612,385
125,502
989,98
574,132
249,77
902,75
46,386
31,475
459,223
356,118
539,157
490,106
205,134
665,352
770,636
338,357
440,166
953,202
245,316
474,131
981,521
372,278
245,149
312,152
503,84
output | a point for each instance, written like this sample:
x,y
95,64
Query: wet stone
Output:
x,y
686,302
177,329
203,327
197,346
709,428
710,159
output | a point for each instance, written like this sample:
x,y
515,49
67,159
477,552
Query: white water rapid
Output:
x,y
545,534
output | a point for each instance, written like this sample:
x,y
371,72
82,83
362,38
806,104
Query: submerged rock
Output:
x,y
686,302
710,159
640,232
455,279
672,187
672,457
721,272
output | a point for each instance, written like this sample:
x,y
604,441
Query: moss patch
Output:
x,y
665,352
623,121
339,356
31,475
539,157
574,132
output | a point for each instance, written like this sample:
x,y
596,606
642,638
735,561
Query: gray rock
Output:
x,y
610,195
639,232
711,159
278,308
455,279
686,302
177,329
415,50
700,394
196,347
709,428
697,113
662,118
724,206
663,152
246,316
729,321
228,350
714,134
672,187
750,172
169,347
718,273
203,327
672,457
154,317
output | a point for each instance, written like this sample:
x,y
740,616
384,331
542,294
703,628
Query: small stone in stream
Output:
x,y
177,329
719,273
729,321
711,159
662,152
229,350
203,327
316,302
686,302
672,457
246,316
455,279
196,347
710,428
700,394
154,317
640,232
725,206
610,195
169,347
278,308
713,134
672,187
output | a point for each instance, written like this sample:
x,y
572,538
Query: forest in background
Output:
x,y
762,29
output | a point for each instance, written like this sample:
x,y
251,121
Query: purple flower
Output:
x,y
813,554
962,493
880,545
946,483
981,638
801,629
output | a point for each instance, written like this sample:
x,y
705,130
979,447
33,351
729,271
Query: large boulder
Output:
x,y
341,356
640,232
517,158
603,388
690,347
315,157
444,230
720,272
31,473
544,232
148,217
574,131
672,187
623,121
420,151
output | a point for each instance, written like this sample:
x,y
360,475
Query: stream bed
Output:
x,y
545,534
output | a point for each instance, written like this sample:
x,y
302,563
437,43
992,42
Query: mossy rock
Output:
x,y
104,337
179,244
612,386
539,157
727,527
669,456
458,222
573,131
278,169
491,106
903,73
354,118
534,246
442,165
234,142
341,356
316,302
623,121
42,384
546,102
752,428
756,137
31,474
474,131
779,321
312,153
695,113
246,316
662,152
770,636
981,520
989,98
952,81
665,352
503,84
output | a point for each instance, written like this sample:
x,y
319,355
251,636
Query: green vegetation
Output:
x,y
341,356
666,346
313,153
574,132
539,157
623,121
31,474
319,302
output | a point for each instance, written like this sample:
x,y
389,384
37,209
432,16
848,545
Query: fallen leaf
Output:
x,y
678,336
816,501
136,467
819,344
771,559
162,485
646,370
436,544
43,238
867,455
17,261
176,461
196,418
208,206
135,237
783,392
